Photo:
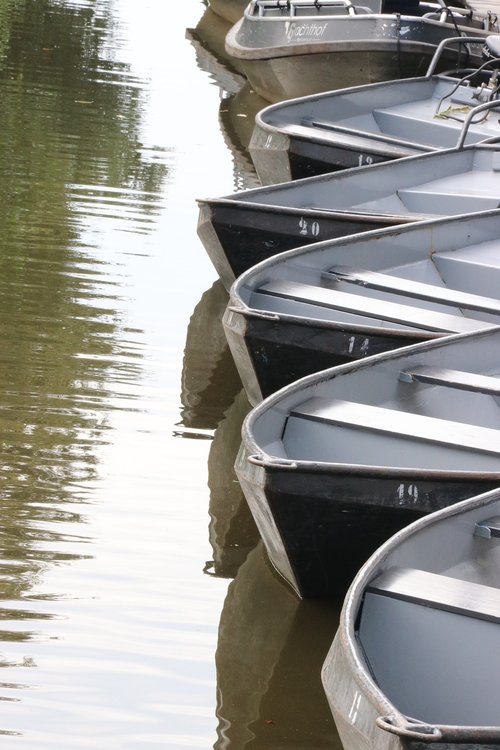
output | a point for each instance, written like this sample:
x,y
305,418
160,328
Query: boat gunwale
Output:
x,y
277,463
337,212
367,43
332,325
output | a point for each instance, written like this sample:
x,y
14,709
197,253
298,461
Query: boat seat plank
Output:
x,y
426,201
407,287
333,127
489,529
405,425
439,592
398,122
371,307
466,381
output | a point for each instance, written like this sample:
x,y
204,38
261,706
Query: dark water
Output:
x,y
137,608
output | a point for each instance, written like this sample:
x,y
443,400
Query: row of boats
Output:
x,y
364,321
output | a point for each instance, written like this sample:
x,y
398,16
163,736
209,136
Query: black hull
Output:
x,y
311,159
283,352
330,524
246,234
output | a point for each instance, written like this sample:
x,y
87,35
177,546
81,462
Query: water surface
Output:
x,y
131,577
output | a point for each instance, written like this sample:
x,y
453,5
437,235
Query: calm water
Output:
x,y
137,607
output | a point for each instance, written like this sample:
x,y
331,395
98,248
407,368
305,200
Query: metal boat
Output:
x,y
241,229
379,121
291,48
335,463
337,301
415,661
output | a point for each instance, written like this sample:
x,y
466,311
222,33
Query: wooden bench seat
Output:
x,y
402,424
466,381
418,290
371,307
439,592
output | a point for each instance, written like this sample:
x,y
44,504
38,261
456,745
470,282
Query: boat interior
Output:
x,y
443,183
433,609
435,119
450,291
436,408
476,190
428,111
335,430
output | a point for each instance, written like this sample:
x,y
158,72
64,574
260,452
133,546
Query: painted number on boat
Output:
x,y
407,492
364,159
358,344
310,228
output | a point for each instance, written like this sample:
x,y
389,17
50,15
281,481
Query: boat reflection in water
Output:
x,y
214,405
207,39
231,10
239,103
237,114
232,531
210,380
270,651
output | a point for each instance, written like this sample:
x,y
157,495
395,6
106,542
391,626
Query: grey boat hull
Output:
x,y
284,58
446,546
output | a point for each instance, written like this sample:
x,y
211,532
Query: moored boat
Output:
x,y
415,661
291,48
377,122
335,463
241,229
337,301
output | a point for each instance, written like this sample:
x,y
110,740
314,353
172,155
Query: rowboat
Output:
x,y
335,463
415,661
244,228
341,300
377,122
291,48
